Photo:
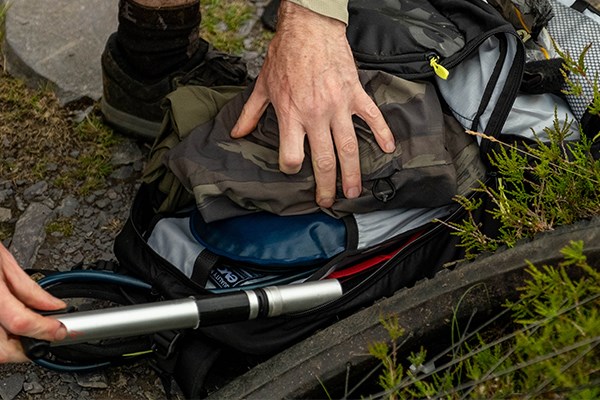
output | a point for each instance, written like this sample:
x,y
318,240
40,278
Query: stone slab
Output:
x,y
30,234
58,43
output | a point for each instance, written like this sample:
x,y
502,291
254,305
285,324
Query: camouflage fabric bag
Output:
x,y
232,177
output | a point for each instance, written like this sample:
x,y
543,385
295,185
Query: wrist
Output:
x,y
293,16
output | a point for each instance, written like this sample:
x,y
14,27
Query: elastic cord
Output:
x,y
60,367
93,276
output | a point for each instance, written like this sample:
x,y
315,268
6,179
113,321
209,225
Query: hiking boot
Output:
x,y
132,104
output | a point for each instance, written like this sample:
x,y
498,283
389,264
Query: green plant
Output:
x,y
93,166
42,143
540,187
555,181
575,74
552,348
552,352
64,226
393,371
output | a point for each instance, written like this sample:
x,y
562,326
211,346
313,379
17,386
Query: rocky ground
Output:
x,y
54,216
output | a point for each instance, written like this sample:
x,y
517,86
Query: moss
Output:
x,y
64,226
222,21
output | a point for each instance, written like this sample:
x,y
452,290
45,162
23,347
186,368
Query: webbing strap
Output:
x,y
205,261
580,5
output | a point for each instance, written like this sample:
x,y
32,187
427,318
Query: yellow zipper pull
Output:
x,y
438,68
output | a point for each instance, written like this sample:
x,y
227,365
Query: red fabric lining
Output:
x,y
371,262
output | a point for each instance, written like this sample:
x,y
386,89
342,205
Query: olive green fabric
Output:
x,y
231,177
186,108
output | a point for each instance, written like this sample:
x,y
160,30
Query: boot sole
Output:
x,y
130,124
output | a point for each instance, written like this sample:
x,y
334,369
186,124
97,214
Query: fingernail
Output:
x,y
235,131
352,193
60,333
59,304
325,202
390,147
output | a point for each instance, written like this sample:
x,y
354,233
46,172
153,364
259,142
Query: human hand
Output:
x,y
310,77
18,295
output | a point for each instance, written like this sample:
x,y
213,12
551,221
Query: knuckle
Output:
x,y
324,164
314,109
290,164
18,325
349,147
372,111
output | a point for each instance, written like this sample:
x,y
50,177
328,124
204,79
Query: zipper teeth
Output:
x,y
447,62
451,61
507,106
418,56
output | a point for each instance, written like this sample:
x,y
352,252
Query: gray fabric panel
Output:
x,y
378,226
535,112
469,79
587,13
173,241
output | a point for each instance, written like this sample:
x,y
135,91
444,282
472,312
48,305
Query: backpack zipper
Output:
x,y
438,68
455,59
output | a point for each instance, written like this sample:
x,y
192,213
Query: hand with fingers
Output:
x,y
19,294
310,77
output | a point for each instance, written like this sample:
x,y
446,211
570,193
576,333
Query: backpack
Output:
x,y
461,53
188,243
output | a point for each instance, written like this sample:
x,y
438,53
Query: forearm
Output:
x,y
337,9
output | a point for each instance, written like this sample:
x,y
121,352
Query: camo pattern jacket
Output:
x,y
434,159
